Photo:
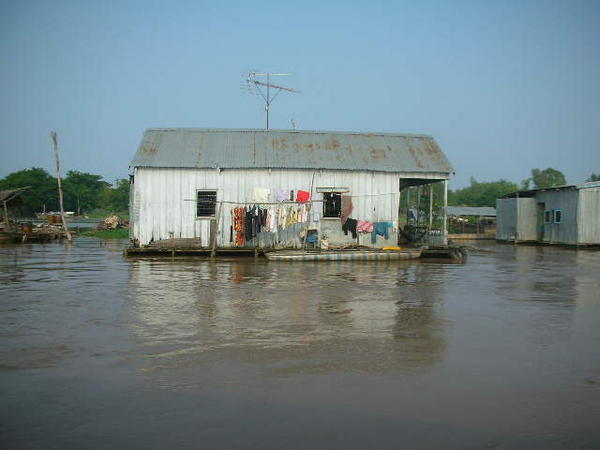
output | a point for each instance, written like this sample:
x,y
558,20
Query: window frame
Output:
x,y
554,216
548,216
214,206
331,193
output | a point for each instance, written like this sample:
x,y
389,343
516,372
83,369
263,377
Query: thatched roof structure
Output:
x,y
12,195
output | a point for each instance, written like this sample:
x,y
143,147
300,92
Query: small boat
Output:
x,y
344,255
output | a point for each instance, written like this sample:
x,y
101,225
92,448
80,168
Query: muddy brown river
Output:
x,y
102,352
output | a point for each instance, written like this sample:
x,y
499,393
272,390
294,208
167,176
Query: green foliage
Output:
x,y
526,184
82,191
594,177
547,178
116,198
481,194
42,191
120,233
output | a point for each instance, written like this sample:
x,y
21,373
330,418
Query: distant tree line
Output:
x,y
84,193
486,193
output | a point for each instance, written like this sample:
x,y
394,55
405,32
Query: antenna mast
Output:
x,y
254,86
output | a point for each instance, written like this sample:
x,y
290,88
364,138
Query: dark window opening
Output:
x,y
207,201
557,215
332,204
548,216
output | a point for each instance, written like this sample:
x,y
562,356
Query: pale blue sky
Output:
x,y
503,86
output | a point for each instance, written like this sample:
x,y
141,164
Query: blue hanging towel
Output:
x,y
381,229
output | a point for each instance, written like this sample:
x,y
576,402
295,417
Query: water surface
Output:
x,y
99,351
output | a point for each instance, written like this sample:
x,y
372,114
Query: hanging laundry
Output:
x,y
282,195
350,225
381,229
346,208
304,214
364,226
262,195
282,217
269,220
254,221
292,216
303,196
248,228
238,216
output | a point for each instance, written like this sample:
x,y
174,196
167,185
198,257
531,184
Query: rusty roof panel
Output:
x,y
229,148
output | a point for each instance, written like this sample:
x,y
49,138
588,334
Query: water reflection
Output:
x,y
535,273
354,353
318,317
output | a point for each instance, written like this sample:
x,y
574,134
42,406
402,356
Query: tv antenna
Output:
x,y
266,90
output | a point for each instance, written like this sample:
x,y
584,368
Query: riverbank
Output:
x,y
121,233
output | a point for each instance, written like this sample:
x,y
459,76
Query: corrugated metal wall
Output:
x,y
589,216
516,219
527,226
163,205
506,219
564,232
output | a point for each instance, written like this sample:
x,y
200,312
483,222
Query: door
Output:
x,y
541,208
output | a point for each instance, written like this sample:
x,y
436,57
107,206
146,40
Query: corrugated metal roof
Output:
x,y
532,192
228,148
487,211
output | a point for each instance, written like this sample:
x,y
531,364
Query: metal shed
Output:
x,y
559,215
176,173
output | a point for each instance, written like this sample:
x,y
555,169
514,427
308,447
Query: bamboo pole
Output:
x,y
445,220
60,192
7,226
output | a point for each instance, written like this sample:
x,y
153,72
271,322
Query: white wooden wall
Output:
x,y
164,207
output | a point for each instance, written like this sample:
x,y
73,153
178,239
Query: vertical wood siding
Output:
x,y
164,204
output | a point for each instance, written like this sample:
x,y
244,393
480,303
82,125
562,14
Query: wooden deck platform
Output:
x,y
437,252
453,253
182,251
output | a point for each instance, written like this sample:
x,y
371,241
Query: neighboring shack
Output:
x,y
195,186
558,215
472,220
10,198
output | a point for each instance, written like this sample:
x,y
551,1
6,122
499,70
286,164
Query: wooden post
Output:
x,y
60,192
312,182
213,251
445,230
430,206
7,226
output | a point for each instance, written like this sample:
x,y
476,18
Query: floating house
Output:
x,y
558,215
472,222
230,188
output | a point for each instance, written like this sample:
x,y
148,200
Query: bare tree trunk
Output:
x,y
60,192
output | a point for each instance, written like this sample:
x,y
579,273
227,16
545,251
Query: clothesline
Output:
x,y
287,202
291,202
